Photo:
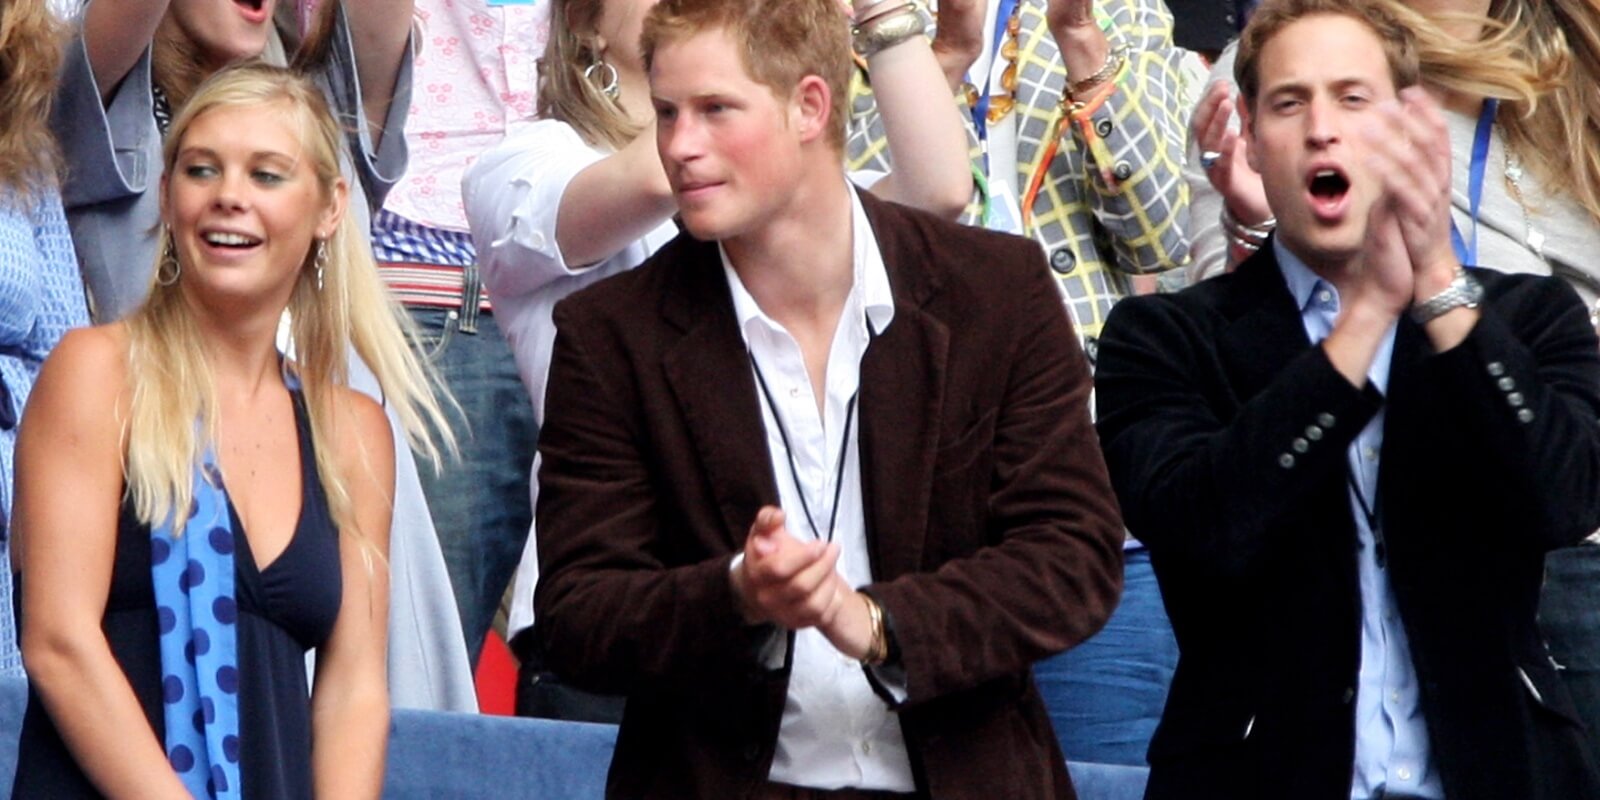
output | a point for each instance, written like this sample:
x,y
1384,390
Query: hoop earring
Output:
x,y
321,260
168,270
612,87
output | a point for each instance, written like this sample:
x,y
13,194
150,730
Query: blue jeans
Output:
x,y
1105,696
1569,617
479,505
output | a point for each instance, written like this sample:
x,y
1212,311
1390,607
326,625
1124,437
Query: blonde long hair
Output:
x,y
31,41
173,414
1543,58
564,91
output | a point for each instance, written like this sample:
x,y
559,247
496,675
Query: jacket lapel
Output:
x,y
1267,332
902,399
708,371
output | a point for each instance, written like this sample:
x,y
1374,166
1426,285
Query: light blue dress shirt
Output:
x,y
1392,749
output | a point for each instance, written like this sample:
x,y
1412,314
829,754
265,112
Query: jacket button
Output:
x,y
1515,399
1524,416
1123,170
1506,384
1286,461
1496,369
752,752
1349,694
1061,261
1313,432
1299,445
1325,420
1103,127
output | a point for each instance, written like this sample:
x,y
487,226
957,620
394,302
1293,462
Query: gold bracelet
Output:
x,y
1114,58
878,647
887,30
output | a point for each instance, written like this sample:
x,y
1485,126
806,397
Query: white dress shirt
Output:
x,y
836,731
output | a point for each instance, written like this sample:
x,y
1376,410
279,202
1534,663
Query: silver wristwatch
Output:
x,y
1464,290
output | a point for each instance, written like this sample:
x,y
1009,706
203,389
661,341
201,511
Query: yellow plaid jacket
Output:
x,y
1113,202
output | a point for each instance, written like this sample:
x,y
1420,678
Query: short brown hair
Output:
x,y
781,42
1399,43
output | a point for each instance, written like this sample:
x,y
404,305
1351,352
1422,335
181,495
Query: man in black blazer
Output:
x,y
909,391
1349,457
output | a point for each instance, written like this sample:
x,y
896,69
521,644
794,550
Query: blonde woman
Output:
x,y
196,510
135,62
40,296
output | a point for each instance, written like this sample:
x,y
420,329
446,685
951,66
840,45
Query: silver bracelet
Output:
x,y
887,30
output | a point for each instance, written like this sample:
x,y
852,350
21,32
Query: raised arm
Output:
x,y
350,699
381,32
922,123
543,205
1130,124
614,202
115,34
69,484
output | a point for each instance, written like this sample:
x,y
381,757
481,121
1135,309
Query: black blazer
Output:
x,y
993,533
1226,435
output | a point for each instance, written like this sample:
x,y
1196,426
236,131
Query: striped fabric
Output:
x,y
1113,202
423,266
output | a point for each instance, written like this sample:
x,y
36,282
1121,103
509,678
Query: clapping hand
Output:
x,y
1409,150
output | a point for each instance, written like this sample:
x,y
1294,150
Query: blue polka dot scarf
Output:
x,y
197,610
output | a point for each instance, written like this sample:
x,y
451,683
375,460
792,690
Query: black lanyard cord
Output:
x,y
788,451
1374,523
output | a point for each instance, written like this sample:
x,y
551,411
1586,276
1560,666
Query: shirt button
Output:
x,y
866,747
1403,773
1369,453
794,392
1324,297
1394,696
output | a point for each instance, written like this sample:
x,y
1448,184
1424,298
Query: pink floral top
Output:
x,y
476,77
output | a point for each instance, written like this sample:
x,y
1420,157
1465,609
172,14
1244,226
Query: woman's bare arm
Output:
x,y
69,487
350,698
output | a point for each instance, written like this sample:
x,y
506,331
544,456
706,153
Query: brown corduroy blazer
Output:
x,y
990,520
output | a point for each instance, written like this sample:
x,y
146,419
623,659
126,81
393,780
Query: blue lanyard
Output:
x,y
980,112
1465,253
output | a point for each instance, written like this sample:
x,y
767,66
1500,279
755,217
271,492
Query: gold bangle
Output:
x,y
878,646
1114,58
887,30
